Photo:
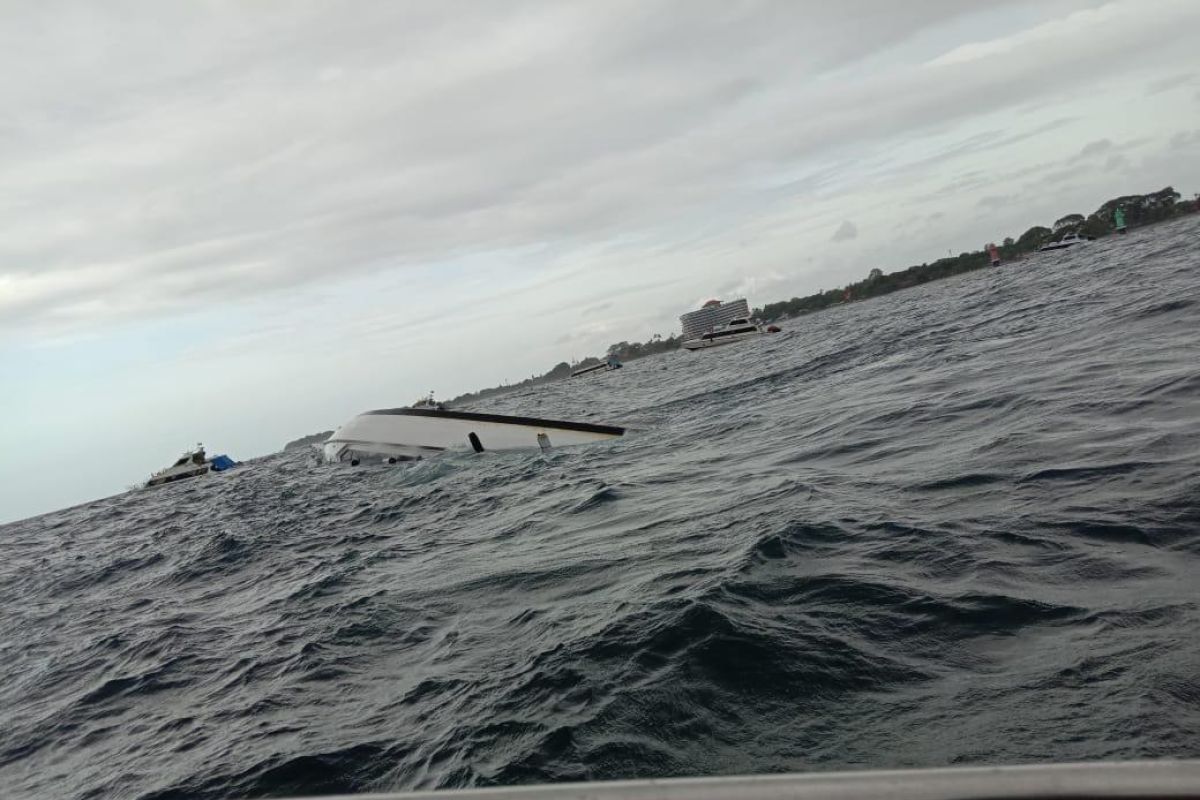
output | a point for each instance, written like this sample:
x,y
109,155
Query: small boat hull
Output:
x,y
178,474
411,433
188,467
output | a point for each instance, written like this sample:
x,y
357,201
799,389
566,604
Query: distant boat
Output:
x,y
608,365
406,434
735,331
1070,240
191,464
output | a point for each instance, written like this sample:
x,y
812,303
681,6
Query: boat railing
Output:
x,y
1135,779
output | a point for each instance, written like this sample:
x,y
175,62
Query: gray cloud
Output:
x,y
1116,163
1171,82
995,201
976,145
1185,140
145,175
596,309
845,232
1098,147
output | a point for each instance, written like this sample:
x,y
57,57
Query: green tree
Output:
x,y
561,370
1096,226
1034,238
1069,222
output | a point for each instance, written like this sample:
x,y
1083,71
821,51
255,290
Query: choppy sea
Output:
x,y
957,524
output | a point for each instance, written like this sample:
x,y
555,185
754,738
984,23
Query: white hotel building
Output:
x,y
713,314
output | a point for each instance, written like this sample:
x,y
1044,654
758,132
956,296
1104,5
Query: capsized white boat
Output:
x,y
405,434
735,331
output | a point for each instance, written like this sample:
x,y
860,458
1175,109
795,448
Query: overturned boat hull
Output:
x,y
411,433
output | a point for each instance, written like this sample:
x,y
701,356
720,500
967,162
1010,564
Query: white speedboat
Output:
x,y
1070,240
735,331
191,464
405,434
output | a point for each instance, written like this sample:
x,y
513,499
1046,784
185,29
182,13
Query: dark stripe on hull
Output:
x,y
533,422
350,444
712,337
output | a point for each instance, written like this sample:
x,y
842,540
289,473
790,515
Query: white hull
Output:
x,y
1130,780
1064,243
192,465
172,474
408,433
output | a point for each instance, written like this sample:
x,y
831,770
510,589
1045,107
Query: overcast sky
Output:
x,y
244,222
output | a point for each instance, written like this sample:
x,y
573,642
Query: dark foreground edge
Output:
x,y
502,419
1136,779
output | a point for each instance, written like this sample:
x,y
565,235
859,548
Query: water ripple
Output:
x,y
957,524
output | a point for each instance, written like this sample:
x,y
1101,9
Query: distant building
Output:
x,y
712,314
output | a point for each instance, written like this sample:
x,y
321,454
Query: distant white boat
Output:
x,y
405,434
735,331
1070,240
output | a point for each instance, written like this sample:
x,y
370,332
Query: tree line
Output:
x,y
1139,209
625,351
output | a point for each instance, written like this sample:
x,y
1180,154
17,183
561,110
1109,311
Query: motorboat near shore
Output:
x,y
1070,240
191,464
611,363
407,434
735,331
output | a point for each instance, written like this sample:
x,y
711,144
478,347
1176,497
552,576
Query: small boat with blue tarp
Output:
x,y
191,464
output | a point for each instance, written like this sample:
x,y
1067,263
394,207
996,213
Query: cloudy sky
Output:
x,y
243,222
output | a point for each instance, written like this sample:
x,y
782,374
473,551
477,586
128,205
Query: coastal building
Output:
x,y
712,314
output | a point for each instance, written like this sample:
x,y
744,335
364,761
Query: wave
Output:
x,y
957,524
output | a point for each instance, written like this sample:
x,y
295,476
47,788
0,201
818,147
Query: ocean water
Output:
x,y
958,524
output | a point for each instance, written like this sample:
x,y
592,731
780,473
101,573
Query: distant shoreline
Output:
x,y
1141,211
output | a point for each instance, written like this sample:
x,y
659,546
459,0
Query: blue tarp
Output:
x,y
220,463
